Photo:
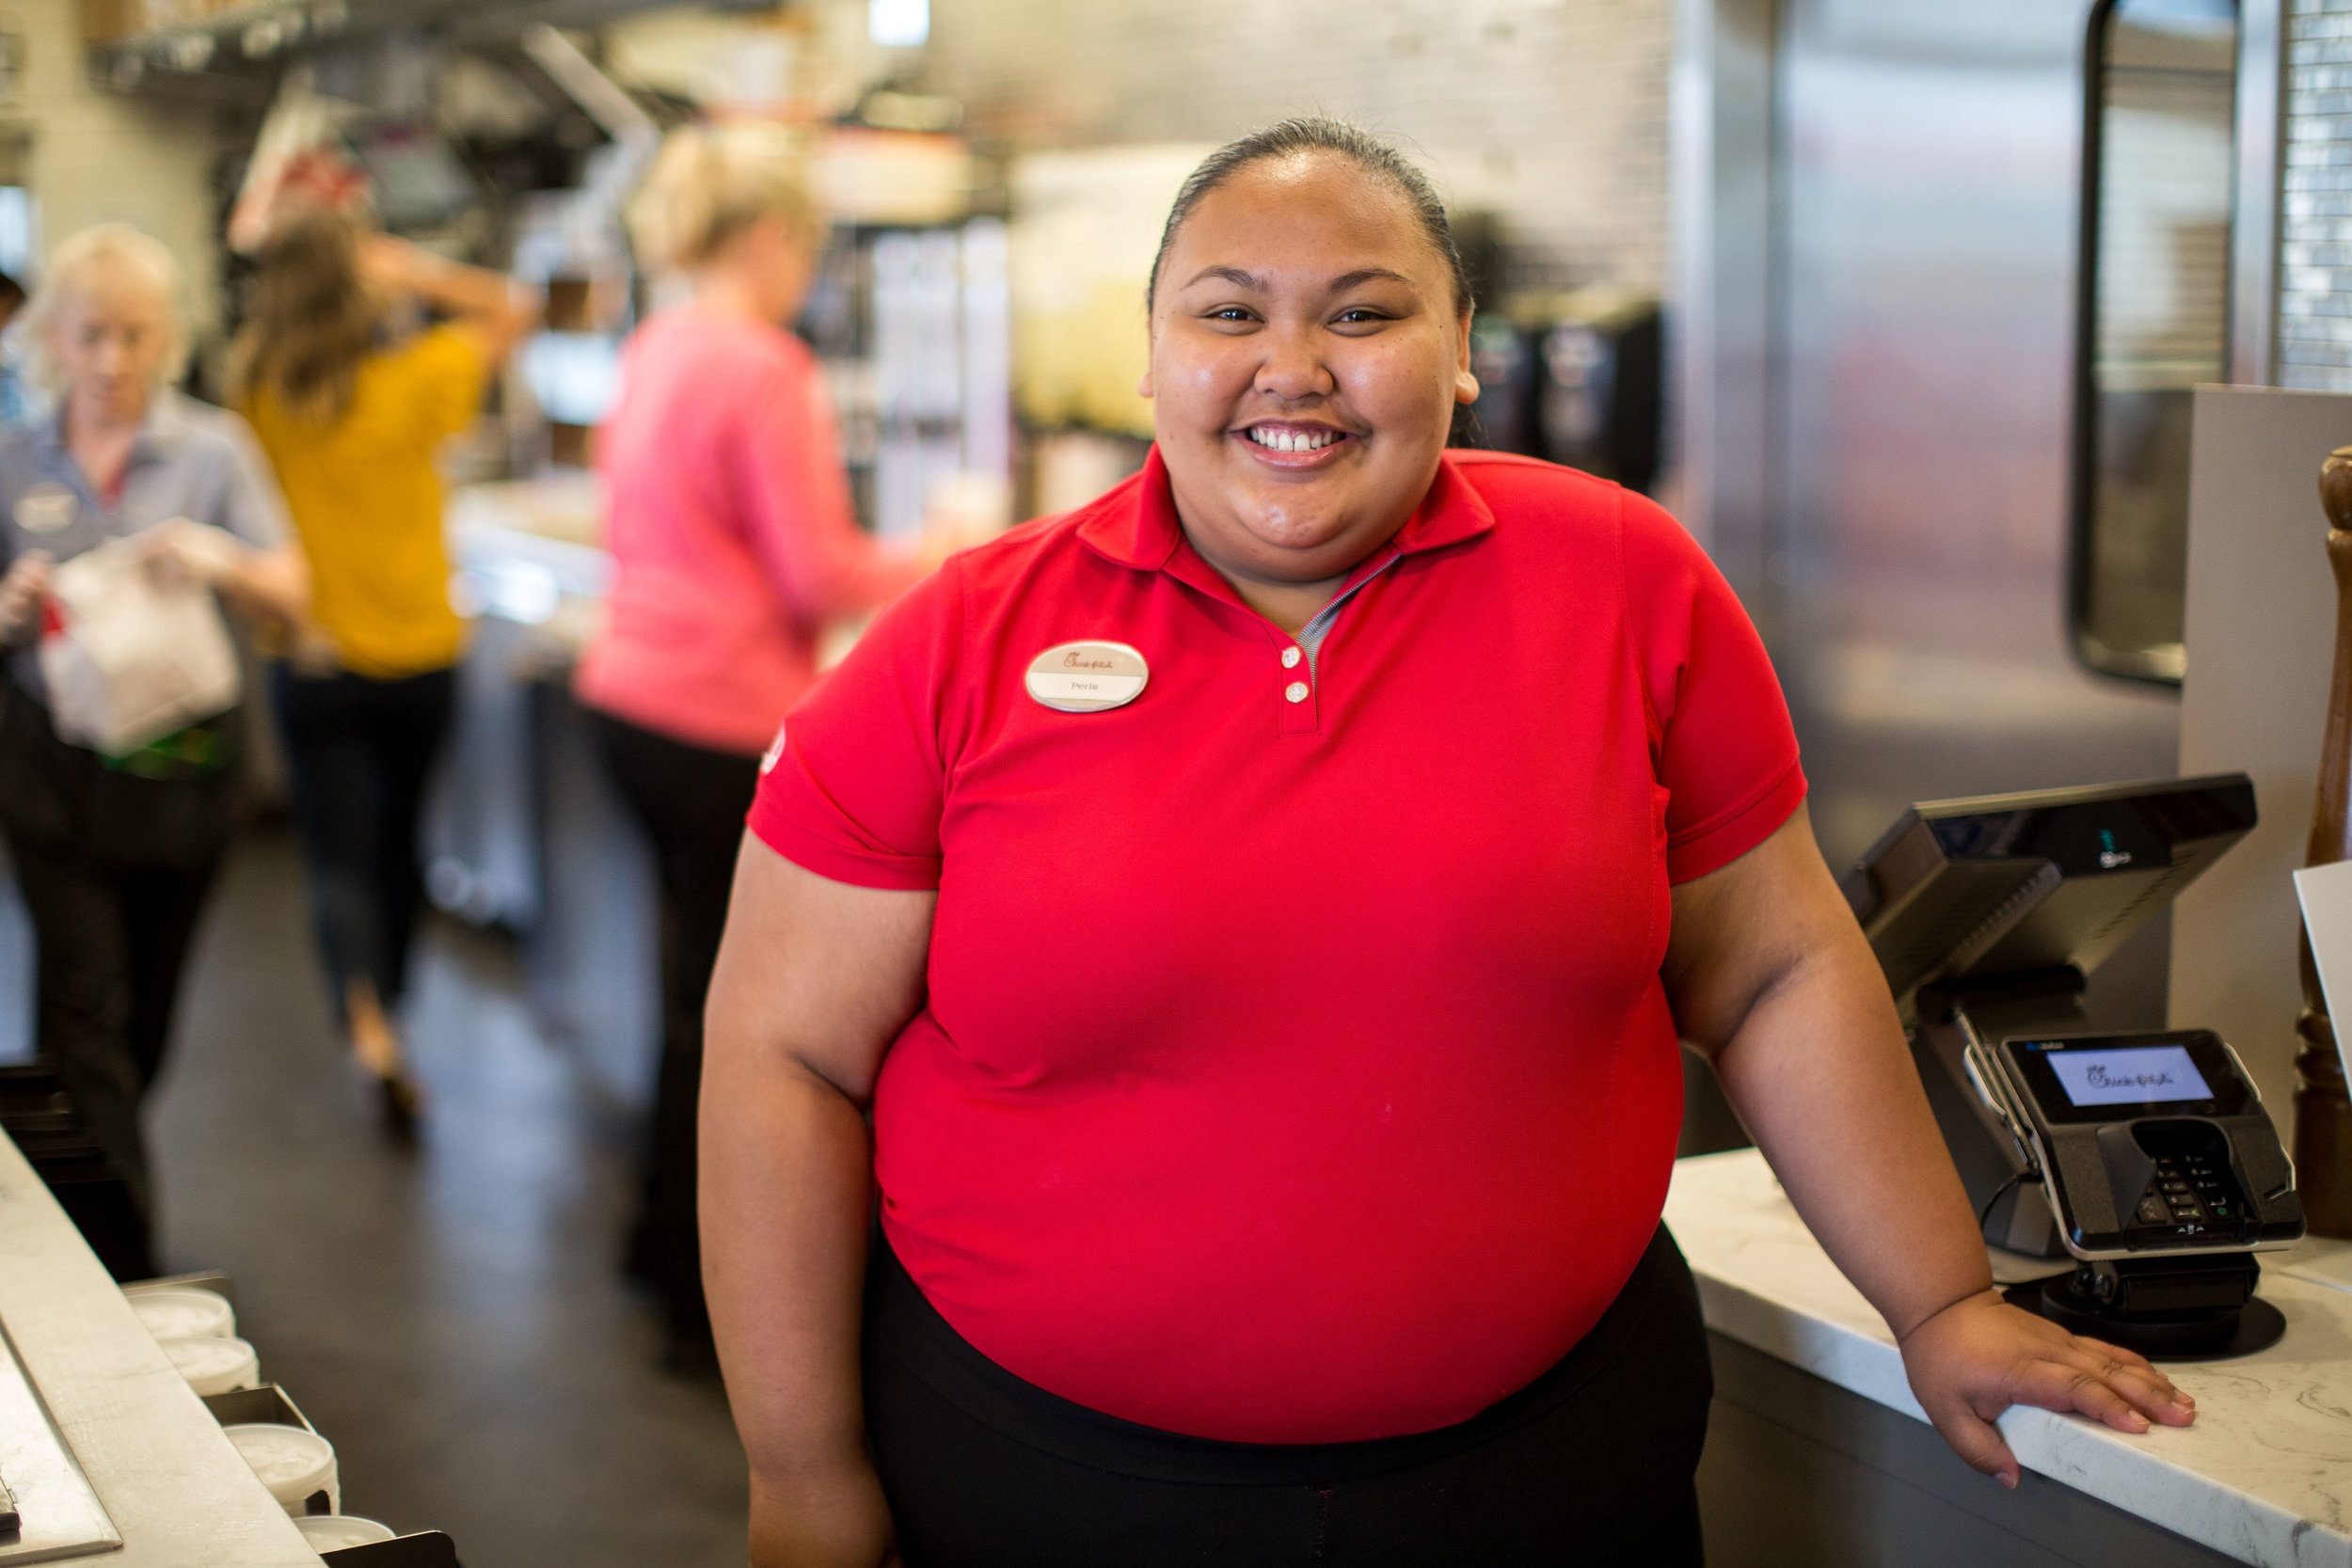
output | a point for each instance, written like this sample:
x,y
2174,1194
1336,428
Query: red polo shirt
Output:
x,y
1295,1066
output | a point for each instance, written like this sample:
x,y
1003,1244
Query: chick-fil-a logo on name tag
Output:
x,y
1088,678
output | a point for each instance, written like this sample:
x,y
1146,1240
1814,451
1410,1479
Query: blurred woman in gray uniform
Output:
x,y
114,855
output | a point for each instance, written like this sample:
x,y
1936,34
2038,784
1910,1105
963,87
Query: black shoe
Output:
x,y
400,1105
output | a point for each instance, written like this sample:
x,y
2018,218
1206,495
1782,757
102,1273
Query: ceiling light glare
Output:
x,y
899,24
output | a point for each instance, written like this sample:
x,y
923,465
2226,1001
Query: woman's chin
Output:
x,y
1291,536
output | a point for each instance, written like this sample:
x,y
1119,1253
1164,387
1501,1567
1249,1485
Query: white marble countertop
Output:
x,y
2264,1475
176,1489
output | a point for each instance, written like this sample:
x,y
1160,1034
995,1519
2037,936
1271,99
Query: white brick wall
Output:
x,y
1553,112
102,157
2315,229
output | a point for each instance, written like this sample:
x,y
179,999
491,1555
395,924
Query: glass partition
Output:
x,y
2157,164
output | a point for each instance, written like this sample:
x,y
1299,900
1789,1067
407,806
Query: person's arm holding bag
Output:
x,y
244,546
24,587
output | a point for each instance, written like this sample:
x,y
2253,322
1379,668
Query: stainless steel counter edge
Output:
x,y
176,1489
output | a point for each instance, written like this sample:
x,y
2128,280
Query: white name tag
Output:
x,y
1088,678
45,508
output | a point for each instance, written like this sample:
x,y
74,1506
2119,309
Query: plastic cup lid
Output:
x,y
215,1364
331,1532
292,1462
184,1312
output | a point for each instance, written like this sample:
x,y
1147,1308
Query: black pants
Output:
x,y
359,751
691,801
113,868
1590,1465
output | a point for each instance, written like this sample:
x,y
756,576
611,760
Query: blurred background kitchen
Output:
x,y
1894,302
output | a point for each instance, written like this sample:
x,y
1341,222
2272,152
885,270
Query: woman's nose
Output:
x,y
1294,366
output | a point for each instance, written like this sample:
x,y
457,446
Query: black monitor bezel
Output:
x,y
1888,883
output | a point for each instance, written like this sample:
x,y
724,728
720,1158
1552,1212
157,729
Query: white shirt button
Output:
x,y
1296,692
1290,659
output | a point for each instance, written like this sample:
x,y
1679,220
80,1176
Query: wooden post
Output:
x,y
2323,1110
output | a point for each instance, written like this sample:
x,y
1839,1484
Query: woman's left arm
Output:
x,y
273,583
1770,979
244,546
270,583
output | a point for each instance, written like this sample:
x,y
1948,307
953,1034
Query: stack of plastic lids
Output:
x,y
198,1329
213,1365
295,1462
184,1312
329,1532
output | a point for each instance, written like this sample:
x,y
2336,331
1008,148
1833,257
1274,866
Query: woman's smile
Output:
x,y
1296,445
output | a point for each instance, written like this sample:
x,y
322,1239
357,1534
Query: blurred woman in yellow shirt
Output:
x,y
351,415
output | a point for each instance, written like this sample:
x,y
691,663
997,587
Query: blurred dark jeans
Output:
x,y
113,868
693,801
357,754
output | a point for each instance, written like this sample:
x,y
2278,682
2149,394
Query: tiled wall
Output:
x,y
1551,113
2315,231
101,157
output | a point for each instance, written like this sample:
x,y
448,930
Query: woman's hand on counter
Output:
x,y
1978,1356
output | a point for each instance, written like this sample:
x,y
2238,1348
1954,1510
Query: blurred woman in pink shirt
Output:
x,y
733,544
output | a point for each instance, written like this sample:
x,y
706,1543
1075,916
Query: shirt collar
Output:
x,y
153,443
1136,525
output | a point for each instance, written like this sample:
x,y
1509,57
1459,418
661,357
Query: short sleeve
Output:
x,y
855,784
251,506
1721,738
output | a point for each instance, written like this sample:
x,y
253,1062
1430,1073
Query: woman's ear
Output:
x,y
1465,384
1151,340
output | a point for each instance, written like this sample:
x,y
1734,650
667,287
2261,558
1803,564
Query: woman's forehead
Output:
x,y
1301,206
113,288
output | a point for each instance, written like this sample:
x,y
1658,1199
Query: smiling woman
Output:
x,y
1273,1071
1305,365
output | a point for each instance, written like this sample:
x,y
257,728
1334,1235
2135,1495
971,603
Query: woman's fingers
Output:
x,y
1976,1441
2148,1390
2056,1385
1978,1356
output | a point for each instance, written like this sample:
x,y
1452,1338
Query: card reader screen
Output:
x,y
2138,1075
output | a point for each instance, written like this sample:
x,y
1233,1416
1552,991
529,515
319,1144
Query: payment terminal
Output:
x,y
2146,1159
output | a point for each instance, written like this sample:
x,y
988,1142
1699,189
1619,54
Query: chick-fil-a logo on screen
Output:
x,y
2138,1075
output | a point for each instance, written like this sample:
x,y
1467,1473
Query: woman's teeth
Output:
x,y
1292,441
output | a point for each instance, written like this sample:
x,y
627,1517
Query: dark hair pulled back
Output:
x,y
1314,133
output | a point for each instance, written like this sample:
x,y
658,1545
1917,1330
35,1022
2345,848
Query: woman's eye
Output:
x,y
1360,316
1229,313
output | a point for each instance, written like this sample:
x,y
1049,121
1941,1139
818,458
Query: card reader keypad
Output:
x,y
2190,1189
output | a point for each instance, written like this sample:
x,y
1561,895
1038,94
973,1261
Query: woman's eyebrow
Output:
x,y
1231,275
1241,278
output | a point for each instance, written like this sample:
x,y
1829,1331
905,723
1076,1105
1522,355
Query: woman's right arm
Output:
x,y
23,586
815,979
788,473
497,311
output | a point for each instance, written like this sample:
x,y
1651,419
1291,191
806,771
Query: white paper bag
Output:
x,y
128,659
